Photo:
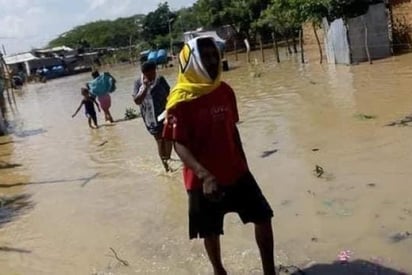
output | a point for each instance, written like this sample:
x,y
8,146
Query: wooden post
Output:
x,y
302,52
275,47
366,40
235,46
3,127
288,45
392,28
262,52
295,50
247,50
10,85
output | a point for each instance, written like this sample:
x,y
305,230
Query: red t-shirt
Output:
x,y
207,127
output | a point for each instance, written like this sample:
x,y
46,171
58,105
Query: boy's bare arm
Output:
x,y
97,104
210,187
78,109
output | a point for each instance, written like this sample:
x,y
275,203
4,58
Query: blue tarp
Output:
x,y
102,85
161,56
152,56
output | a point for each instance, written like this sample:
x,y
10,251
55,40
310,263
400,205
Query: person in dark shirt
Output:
x,y
88,102
150,93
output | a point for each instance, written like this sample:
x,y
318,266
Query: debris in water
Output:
x,y
255,74
401,122
310,192
400,236
268,153
315,149
314,239
371,184
8,165
130,113
285,202
364,116
407,211
319,171
123,262
103,143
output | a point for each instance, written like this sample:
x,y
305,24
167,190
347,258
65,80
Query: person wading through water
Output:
x,y
150,93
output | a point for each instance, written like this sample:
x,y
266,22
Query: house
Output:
x,y
38,59
398,21
30,63
352,40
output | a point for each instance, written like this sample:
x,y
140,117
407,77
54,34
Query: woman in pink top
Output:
x,y
105,101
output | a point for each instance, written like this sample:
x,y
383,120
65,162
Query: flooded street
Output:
x,y
85,191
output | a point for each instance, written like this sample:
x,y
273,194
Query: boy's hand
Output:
x,y
146,81
211,188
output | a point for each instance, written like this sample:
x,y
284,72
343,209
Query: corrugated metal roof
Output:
x,y
55,49
19,58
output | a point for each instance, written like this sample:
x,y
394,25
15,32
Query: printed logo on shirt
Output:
x,y
219,112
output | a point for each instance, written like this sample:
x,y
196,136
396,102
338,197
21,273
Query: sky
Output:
x,y
26,24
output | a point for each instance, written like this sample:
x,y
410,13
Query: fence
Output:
x,y
359,39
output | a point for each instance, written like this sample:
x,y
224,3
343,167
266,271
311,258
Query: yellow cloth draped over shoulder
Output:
x,y
193,80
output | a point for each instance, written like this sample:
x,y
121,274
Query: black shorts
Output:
x,y
244,197
157,130
92,115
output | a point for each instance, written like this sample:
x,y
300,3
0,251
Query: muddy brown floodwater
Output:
x,y
81,192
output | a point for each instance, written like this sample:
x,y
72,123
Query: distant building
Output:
x,y
29,62
49,58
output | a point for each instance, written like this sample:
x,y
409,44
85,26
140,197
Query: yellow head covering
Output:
x,y
193,80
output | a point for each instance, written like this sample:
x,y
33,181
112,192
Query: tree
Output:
x,y
313,11
158,22
186,20
281,18
240,14
105,33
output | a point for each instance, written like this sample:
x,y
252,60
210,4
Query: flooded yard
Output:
x,y
74,193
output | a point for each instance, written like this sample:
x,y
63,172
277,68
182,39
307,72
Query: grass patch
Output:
x,y
361,116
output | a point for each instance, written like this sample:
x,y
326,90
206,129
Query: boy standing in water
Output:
x,y
88,103
150,93
201,121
